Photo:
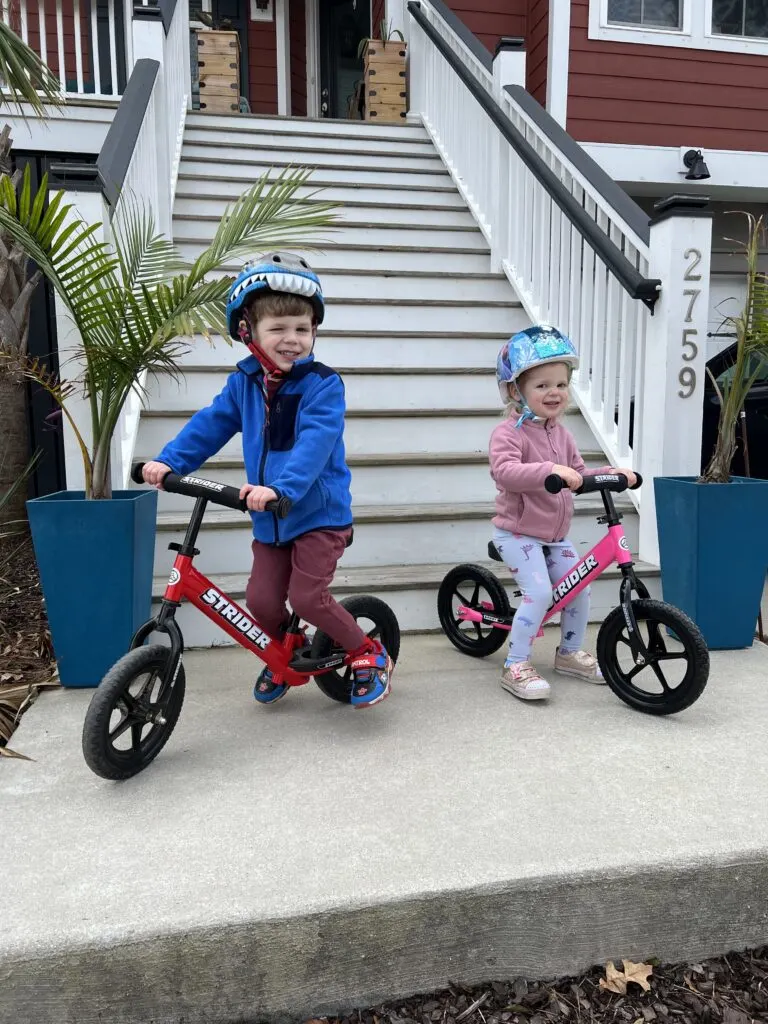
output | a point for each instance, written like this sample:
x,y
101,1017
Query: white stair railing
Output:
x,y
578,251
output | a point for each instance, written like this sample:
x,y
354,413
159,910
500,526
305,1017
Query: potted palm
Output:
x,y
712,529
133,302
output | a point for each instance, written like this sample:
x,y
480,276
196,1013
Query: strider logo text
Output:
x,y
238,619
582,570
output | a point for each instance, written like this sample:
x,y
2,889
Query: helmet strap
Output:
x,y
271,369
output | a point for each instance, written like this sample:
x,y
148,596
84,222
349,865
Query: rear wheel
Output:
x,y
677,669
476,588
378,621
132,713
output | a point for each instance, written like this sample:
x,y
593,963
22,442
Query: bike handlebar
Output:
x,y
616,482
221,494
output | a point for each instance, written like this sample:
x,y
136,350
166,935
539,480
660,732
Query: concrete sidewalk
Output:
x,y
280,863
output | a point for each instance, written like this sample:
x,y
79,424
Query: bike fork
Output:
x,y
630,583
166,623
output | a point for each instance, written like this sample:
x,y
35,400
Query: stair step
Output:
x,y
196,208
376,257
316,151
366,234
248,172
222,462
210,186
310,126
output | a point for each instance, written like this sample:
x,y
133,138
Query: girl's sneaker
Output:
x,y
578,664
372,677
522,679
266,690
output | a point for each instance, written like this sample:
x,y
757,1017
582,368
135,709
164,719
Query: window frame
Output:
x,y
696,32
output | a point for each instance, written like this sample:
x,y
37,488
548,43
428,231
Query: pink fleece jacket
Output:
x,y
521,460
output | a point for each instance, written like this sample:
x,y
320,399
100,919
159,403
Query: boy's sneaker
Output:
x,y
578,664
372,677
522,679
266,690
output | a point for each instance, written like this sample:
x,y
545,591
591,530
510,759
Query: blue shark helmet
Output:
x,y
276,272
533,347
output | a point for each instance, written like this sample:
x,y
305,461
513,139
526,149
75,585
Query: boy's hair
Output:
x,y
278,304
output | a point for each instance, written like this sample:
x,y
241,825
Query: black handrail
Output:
x,y
470,40
163,9
638,287
117,150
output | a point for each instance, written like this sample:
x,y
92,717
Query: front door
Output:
x,y
343,23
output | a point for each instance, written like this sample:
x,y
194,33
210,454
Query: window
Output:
x,y
740,18
648,13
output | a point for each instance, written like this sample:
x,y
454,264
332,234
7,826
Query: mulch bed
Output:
x,y
731,989
26,657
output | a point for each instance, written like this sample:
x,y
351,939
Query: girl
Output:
x,y
533,372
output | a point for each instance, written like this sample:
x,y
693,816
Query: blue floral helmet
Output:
x,y
279,272
533,347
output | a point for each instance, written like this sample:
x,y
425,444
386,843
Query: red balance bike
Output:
x,y
651,654
137,704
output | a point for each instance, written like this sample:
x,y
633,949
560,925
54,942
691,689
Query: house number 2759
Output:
x,y
687,374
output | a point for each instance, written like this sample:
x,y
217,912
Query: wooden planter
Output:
x,y
385,83
218,59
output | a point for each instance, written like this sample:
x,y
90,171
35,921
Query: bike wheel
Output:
x,y
132,713
677,669
472,586
378,621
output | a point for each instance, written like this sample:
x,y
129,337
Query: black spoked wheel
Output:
x,y
677,669
132,713
476,588
378,621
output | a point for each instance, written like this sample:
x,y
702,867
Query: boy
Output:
x,y
290,411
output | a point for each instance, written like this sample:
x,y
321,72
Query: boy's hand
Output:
x,y
257,497
631,478
571,477
154,472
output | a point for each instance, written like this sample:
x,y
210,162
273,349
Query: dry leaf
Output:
x,y
615,981
7,752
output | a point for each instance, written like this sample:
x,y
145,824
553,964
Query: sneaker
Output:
x,y
266,690
522,679
372,678
578,664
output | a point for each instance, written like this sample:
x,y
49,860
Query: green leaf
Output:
x,y
23,76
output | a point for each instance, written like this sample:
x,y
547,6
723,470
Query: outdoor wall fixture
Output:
x,y
697,169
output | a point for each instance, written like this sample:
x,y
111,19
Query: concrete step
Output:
x,y
237,126
248,172
342,253
373,349
315,154
211,186
307,144
352,212
409,590
383,431
384,534
418,477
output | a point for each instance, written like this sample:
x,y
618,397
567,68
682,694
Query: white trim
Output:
x,y
312,9
283,32
395,11
558,59
696,33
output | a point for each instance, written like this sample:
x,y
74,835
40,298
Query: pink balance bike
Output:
x,y
651,654
137,704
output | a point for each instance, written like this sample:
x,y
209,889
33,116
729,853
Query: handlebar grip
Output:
x,y
554,483
137,472
639,483
281,507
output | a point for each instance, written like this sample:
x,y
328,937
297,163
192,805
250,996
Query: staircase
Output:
x,y
414,322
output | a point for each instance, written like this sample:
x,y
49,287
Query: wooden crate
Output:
x,y
219,70
385,81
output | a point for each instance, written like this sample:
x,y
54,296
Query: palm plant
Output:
x,y
135,301
751,330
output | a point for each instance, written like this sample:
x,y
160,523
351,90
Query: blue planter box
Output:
x,y
95,560
713,543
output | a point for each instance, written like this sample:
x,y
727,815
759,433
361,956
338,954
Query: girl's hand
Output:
x,y
573,479
257,497
631,478
153,473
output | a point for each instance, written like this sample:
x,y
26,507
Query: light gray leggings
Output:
x,y
536,566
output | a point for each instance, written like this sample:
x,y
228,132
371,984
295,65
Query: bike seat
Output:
x,y
493,552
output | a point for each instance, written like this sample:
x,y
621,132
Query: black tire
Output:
x,y
100,732
471,637
338,685
654,620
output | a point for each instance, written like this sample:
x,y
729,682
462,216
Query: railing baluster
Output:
x,y
113,47
24,21
42,30
78,48
60,46
94,49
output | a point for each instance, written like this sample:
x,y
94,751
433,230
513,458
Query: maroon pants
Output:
x,y
302,572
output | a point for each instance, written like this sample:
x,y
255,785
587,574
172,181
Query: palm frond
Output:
x,y
23,76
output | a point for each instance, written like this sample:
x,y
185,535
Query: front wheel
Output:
x,y
378,621
132,713
677,669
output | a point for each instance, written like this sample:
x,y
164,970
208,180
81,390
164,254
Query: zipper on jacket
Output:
x,y
265,450
562,495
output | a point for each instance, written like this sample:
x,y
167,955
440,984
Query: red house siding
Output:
x,y
298,30
377,16
537,44
68,74
689,97
491,19
262,67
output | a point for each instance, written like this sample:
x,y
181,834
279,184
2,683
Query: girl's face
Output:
x,y
545,389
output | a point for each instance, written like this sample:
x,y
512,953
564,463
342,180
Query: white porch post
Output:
x,y
396,13
675,353
558,56
283,32
509,68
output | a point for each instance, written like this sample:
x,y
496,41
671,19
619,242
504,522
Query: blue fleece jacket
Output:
x,y
298,451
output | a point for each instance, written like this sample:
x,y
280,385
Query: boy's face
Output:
x,y
545,389
285,339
